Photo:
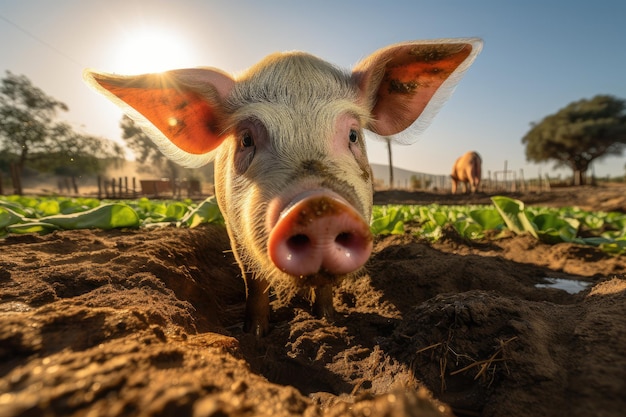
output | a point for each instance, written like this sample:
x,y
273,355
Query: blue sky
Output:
x,y
538,57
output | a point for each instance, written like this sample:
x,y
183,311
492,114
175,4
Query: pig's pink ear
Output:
x,y
180,110
406,84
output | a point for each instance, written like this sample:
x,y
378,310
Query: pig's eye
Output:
x,y
247,140
247,147
353,136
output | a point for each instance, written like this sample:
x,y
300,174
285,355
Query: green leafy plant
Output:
x,y
514,215
604,230
44,214
607,231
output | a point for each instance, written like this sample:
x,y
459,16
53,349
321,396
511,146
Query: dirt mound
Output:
x,y
149,323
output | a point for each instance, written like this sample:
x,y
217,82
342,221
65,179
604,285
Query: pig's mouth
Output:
x,y
319,237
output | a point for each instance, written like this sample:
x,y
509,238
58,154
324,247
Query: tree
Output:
x,y
26,117
144,148
71,153
30,133
578,134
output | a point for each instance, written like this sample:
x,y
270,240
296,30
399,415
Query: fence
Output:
x,y
155,188
504,181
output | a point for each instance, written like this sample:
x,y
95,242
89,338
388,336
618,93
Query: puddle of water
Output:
x,y
572,286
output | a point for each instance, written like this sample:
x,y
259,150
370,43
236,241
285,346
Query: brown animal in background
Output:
x,y
467,170
292,176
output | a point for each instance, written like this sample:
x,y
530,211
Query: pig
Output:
x,y
467,170
287,138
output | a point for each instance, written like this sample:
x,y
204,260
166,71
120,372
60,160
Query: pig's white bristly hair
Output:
x,y
411,134
164,144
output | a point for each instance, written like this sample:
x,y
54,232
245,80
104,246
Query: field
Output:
x,y
148,322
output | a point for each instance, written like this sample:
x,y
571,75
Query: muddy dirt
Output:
x,y
149,323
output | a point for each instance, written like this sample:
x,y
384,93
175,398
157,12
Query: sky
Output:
x,y
538,56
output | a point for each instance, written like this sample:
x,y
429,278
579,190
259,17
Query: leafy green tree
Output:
x,y
30,133
26,117
72,153
578,134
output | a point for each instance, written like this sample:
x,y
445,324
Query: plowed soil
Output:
x,y
148,323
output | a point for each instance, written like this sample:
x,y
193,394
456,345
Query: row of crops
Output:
x,y
19,215
551,225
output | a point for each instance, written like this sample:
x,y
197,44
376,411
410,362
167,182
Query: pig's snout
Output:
x,y
320,233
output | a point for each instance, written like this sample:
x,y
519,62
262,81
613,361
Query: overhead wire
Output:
x,y
42,42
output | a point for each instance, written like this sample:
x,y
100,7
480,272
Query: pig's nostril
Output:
x,y
298,243
351,244
345,239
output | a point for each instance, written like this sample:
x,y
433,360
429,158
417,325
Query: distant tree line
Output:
x,y
31,136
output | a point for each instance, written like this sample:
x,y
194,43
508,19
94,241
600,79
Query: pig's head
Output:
x,y
296,180
292,175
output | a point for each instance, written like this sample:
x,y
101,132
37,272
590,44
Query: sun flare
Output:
x,y
151,50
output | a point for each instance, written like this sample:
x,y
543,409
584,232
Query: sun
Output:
x,y
151,50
